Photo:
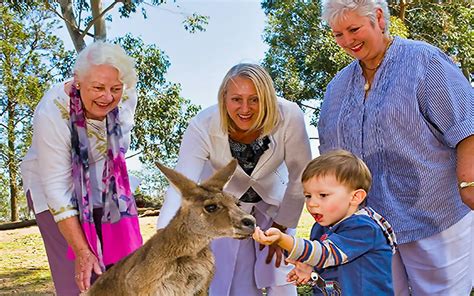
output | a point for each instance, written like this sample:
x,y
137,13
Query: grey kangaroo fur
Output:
x,y
177,260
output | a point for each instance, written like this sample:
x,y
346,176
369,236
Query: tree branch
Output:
x,y
3,112
22,118
70,20
91,23
403,9
61,17
308,106
139,152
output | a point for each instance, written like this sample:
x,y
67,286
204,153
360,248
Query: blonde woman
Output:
x,y
267,136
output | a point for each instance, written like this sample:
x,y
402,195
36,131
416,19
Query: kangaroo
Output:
x,y
177,260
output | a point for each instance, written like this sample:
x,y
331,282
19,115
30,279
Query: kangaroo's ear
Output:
x,y
183,184
222,176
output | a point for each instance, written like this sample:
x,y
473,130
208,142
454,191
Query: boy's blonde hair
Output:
x,y
345,166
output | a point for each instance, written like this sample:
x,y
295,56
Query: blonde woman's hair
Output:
x,y
345,166
269,115
333,10
102,53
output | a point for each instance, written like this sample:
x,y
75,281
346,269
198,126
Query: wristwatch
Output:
x,y
314,279
465,184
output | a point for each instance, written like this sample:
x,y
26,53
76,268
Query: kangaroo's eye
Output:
x,y
211,208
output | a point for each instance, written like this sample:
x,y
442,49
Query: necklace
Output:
x,y
367,80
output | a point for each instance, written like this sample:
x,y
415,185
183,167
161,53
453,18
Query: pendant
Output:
x,y
366,86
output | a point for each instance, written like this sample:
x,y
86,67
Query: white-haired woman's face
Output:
x,y
101,90
358,36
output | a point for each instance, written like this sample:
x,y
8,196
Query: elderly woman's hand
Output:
x,y
85,263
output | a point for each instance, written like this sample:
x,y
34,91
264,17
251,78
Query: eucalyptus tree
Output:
x,y
84,18
28,53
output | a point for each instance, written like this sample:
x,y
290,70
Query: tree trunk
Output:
x,y
403,9
71,25
12,167
16,225
100,32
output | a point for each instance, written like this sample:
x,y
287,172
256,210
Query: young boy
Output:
x,y
350,244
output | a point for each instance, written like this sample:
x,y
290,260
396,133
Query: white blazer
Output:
x,y
276,177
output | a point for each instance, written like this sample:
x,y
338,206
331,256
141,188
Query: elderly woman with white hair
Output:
x,y
406,109
74,173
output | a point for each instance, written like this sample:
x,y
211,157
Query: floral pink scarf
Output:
x,y
120,228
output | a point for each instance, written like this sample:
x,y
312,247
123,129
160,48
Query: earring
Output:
x,y
77,85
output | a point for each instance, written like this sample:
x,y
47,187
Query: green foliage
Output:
x,y
445,24
153,186
298,49
398,28
195,22
27,45
162,114
303,57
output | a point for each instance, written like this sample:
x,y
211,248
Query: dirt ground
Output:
x,y
23,262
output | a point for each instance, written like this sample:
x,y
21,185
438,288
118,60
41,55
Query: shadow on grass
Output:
x,y
25,281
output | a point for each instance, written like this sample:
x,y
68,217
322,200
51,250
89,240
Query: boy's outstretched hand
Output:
x,y
299,275
268,237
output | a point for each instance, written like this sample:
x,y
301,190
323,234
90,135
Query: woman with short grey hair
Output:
x,y
74,173
406,109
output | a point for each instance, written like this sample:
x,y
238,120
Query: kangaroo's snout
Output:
x,y
249,222
246,227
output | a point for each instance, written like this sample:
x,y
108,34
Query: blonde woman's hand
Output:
x,y
270,238
274,250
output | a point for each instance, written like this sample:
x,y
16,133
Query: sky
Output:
x,y
199,61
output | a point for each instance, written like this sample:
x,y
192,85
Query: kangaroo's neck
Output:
x,y
178,238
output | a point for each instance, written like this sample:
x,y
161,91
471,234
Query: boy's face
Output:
x,y
329,201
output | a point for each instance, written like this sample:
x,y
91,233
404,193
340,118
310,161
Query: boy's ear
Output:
x,y
358,196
